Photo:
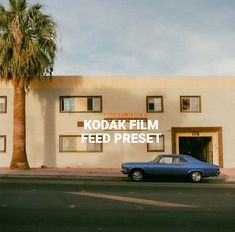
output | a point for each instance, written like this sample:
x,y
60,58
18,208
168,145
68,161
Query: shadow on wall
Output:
x,y
48,112
48,98
114,101
50,131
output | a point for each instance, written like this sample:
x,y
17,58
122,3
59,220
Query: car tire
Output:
x,y
137,175
196,176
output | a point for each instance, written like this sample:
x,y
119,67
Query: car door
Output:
x,y
168,166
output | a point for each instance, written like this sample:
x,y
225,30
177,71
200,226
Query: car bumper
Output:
x,y
123,171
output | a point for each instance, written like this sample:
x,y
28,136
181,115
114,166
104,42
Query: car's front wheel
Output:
x,y
137,175
196,176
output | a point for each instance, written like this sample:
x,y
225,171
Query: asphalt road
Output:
x,y
115,205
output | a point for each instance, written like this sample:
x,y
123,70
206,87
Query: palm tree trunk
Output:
x,y
19,157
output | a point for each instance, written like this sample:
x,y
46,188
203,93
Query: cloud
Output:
x,y
135,37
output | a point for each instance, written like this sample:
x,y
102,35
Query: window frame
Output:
x,y
157,150
5,105
199,110
77,151
4,143
154,111
82,111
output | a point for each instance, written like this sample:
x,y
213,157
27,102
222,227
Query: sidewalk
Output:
x,y
227,174
62,172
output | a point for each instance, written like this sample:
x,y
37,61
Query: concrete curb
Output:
x,y
230,179
61,173
62,177
227,175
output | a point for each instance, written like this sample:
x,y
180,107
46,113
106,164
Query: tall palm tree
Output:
x,y
27,51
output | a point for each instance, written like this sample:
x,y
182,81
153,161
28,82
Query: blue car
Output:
x,y
171,165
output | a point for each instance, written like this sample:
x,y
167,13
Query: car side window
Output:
x,y
175,160
171,160
165,160
182,160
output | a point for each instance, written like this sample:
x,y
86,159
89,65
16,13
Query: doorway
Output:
x,y
203,143
199,147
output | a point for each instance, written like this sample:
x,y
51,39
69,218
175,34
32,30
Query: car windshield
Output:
x,y
156,159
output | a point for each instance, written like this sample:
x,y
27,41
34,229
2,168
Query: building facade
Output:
x,y
195,116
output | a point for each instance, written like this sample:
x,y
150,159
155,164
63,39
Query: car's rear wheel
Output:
x,y
137,175
196,176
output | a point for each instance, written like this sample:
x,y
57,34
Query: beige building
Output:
x,y
195,116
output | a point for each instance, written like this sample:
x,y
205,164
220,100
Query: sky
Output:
x,y
143,37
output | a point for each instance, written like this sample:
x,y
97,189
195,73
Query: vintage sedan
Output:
x,y
171,165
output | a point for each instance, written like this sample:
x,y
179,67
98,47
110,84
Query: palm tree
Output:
x,y
27,51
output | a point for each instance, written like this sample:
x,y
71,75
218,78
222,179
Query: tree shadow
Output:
x,y
114,100
47,94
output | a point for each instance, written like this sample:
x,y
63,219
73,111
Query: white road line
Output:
x,y
132,200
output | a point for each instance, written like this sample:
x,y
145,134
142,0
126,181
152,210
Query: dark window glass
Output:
x,y
90,104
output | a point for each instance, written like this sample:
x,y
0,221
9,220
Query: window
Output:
x,y
182,161
3,104
166,160
2,143
156,146
82,104
171,160
190,104
73,143
154,104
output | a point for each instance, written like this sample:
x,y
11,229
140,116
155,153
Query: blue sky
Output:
x,y
144,37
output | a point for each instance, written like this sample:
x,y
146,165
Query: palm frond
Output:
x,y
27,42
18,5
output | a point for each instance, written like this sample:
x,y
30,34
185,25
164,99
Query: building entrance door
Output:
x,y
204,143
199,147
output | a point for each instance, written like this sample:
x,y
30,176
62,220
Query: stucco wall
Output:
x,y
45,123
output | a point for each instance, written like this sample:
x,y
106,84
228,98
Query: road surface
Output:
x,y
115,205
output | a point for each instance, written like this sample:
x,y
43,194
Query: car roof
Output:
x,y
174,155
